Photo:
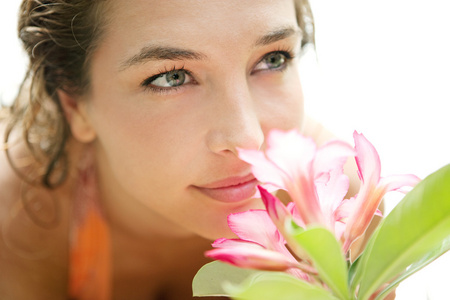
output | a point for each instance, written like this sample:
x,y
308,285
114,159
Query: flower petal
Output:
x,y
367,159
256,226
276,210
295,215
368,201
234,243
366,205
339,228
262,168
246,256
378,213
290,151
396,182
333,155
331,194
345,209
250,255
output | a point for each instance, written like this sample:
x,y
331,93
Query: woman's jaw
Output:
x,y
167,158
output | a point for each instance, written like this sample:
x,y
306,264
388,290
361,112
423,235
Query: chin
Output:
x,y
217,224
217,234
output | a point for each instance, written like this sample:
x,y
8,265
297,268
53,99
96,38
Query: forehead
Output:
x,y
193,23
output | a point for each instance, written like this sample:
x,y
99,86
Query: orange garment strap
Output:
x,y
90,249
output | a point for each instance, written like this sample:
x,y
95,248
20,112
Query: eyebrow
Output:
x,y
151,52
277,35
161,53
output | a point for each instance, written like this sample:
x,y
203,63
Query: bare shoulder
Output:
x,y
314,129
33,250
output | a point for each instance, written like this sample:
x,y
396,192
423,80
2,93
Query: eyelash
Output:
x,y
289,55
146,83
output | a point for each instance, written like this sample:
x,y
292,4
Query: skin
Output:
x,y
155,146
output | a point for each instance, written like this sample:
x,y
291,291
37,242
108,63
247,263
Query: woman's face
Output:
x,y
177,87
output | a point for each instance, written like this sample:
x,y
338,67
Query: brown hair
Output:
x,y
60,37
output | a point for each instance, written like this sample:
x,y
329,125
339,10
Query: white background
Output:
x,y
382,68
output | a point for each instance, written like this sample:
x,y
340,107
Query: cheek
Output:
x,y
140,146
281,106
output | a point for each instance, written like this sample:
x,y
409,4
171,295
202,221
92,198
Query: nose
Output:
x,y
235,120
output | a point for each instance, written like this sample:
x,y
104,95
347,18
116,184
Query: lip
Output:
x,y
230,190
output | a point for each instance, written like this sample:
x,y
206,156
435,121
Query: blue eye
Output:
x,y
274,61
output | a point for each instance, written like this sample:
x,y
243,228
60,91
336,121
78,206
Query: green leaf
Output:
x,y
352,270
415,229
428,258
357,270
325,252
210,279
279,286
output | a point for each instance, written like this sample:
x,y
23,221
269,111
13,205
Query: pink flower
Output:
x,y
314,179
362,208
312,176
260,245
